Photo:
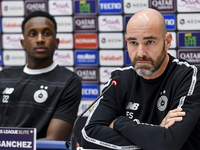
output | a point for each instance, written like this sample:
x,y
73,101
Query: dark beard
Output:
x,y
144,70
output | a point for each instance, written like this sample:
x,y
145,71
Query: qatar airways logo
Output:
x,y
111,57
110,23
163,5
33,6
64,57
87,75
188,5
192,56
12,41
60,7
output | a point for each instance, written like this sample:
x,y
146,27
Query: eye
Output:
x,y
47,33
150,42
133,43
32,34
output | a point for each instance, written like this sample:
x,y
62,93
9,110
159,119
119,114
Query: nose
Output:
x,y
141,52
40,39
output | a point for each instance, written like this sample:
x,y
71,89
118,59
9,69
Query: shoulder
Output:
x,y
11,71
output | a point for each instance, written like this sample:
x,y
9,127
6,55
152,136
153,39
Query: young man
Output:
x,y
40,94
157,104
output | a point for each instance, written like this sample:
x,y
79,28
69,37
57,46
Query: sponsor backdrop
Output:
x,y
91,34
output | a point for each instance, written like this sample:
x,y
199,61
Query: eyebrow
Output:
x,y
145,38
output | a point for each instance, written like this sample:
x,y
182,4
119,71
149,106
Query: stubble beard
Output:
x,y
144,70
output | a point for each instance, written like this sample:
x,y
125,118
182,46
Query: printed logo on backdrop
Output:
x,y
188,21
111,40
163,5
127,59
88,40
64,57
189,40
14,57
85,6
65,41
132,6
173,42
33,5
59,7
84,104
86,57
17,138
12,41
111,57
105,73
0,58
64,24
110,23
126,19
170,21
188,5
85,23
12,25
14,8
88,75
110,6
192,56
90,91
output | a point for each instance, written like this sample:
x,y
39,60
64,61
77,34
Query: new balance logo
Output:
x,y
132,106
8,91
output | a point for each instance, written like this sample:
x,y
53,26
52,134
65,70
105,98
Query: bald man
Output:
x,y
157,104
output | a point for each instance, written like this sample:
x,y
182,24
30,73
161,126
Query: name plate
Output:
x,y
17,138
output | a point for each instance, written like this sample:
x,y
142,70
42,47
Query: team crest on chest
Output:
x,y
162,101
41,95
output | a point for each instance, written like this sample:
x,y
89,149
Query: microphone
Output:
x,y
115,80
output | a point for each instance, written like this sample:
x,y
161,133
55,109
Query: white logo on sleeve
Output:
x,y
41,95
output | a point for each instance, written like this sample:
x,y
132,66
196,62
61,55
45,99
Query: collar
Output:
x,y
39,71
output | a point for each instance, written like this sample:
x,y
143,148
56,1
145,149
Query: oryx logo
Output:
x,y
41,95
132,106
162,102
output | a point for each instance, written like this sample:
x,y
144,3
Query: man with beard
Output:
x,y
157,104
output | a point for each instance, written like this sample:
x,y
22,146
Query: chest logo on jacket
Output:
x,y
6,94
132,107
162,101
41,95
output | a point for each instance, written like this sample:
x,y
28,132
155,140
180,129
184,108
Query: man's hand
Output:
x,y
111,125
173,116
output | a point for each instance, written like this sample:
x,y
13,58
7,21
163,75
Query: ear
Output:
x,y
57,42
168,39
23,44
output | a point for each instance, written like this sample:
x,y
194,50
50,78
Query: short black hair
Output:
x,y
39,14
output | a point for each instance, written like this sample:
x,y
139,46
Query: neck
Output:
x,y
39,64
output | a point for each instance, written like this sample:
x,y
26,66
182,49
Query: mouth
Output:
x,y
40,49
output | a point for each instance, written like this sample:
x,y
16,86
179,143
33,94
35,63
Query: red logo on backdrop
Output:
x,y
85,40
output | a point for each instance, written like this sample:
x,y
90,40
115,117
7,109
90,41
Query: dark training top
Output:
x,y
140,105
32,97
